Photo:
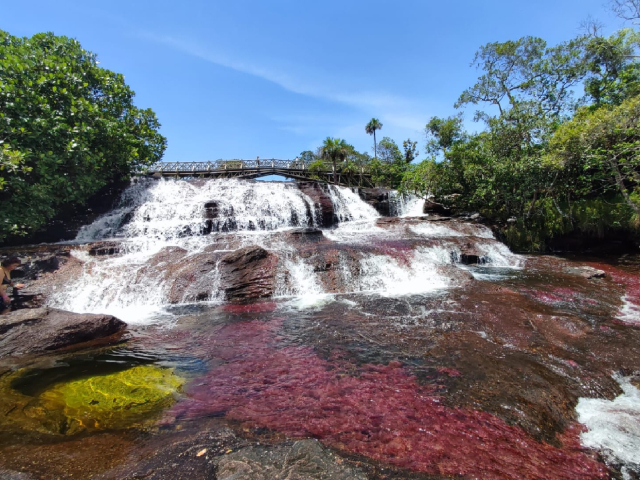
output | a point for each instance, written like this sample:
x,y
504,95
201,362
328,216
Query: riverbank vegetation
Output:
x,y
67,129
558,148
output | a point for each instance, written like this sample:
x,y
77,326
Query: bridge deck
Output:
x,y
295,169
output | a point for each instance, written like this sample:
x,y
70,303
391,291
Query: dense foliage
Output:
x,y
67,128
559,151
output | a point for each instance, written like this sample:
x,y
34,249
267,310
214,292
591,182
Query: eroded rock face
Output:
x,y
378,198
248,273
322,202
304,460
45,329
99,249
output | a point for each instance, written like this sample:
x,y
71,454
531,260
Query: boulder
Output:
x,y
45,329
437,208
248,273
304,460
321,202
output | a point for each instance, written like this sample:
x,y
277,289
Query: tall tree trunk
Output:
x,y
375,145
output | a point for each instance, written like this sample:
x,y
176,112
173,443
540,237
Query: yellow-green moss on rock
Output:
x,y
119,400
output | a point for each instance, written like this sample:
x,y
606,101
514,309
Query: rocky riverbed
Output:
x,y
407,347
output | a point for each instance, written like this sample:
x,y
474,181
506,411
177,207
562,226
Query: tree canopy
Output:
x,y
67,127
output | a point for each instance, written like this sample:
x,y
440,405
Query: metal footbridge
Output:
x,y
340,174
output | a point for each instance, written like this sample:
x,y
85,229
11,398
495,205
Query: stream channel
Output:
x,y
407,346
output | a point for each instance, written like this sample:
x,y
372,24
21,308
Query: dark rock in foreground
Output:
x,y
304,460
45,329
248,273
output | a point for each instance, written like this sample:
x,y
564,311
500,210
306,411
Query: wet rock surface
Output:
x,y
248,273
585,272
45,329
378,198
96,249
304,460
322,201
478,378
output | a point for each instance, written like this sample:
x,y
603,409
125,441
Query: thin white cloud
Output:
x,y
362,100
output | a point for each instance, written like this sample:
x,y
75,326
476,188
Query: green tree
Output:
x,y
308,156
73,123
410,150
442,133
604,145
388,170
613,68
334,150
371,127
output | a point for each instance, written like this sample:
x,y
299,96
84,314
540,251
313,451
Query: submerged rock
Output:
x,y
304,460
115,401
111,401
585,272
44,329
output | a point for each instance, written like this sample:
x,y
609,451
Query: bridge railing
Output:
x,y
237,164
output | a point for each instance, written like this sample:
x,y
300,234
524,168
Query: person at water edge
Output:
x,y
8,265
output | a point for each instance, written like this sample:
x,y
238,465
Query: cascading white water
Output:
x,y
348,206
613,427
160,220
406,205
390,276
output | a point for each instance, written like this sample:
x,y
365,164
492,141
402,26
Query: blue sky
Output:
x,y
247,78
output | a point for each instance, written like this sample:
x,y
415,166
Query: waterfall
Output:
x,y
162,225
406,205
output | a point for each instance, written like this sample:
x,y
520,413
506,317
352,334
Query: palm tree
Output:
x,y
334,149
371,128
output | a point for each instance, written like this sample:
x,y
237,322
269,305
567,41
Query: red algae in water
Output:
x,y
380,412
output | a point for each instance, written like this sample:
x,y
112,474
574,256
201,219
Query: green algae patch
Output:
x,y
130,398
118,400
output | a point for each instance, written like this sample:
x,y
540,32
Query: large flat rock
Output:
x,y
45,329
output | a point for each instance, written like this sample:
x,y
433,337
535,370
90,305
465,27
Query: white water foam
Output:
x,y
171,213
389,276
407,205
440,229
348,206
629,312
156,215
614,426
